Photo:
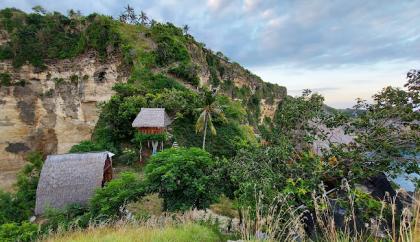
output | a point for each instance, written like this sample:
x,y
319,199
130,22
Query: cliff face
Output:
x,y
240,77
53,109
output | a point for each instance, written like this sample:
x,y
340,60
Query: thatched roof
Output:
x,y
152,117
69,178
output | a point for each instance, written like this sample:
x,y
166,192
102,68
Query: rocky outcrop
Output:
x,y
50,110
240,78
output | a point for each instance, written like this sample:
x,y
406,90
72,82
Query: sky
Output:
x,y
339,48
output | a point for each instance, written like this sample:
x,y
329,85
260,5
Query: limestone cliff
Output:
x,y
54,70
53,109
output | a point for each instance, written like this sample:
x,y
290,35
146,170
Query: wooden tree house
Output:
x,y
152,125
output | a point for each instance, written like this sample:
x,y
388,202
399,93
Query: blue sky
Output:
x,y
341,49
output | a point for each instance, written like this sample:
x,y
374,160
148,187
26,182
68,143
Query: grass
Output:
x,y
225,207
181,233
149,205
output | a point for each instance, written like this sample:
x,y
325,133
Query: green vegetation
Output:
x,y
5,79
86,146
205,118
183,178
273,178
107,201
10,232
188,72
186,232
20,205
39,36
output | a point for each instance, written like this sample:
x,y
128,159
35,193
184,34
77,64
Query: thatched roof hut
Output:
x,y
71,178
152,118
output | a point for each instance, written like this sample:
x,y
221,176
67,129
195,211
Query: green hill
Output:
x,y
165,67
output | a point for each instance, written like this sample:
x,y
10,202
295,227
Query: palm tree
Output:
x,y
143,18
205,119
186,28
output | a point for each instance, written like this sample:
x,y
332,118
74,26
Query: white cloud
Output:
x,y
250,5
214,4
278,22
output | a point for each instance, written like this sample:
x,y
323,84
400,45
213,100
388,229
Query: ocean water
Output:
x,y
406,181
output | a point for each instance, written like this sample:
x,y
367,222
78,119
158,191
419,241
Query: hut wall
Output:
x,y
107,171
151,130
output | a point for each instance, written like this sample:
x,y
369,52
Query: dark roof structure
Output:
x,y
152,117
69,178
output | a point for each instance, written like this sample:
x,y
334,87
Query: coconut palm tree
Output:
x,y
143,18
205,119
186,28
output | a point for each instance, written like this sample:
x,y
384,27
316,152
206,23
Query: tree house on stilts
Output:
x,y
152,125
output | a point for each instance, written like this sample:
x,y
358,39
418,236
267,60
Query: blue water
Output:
x,y
406,181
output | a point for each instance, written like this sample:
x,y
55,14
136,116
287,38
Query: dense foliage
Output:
x,y
19,206
16,208
108,200
36,37
183,178
232,161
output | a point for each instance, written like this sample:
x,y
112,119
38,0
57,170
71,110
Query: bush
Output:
x,y
170,44
18,232
186,71
73,215
86,146
6,52
128,156
5,79
19,206
36,37
116,193
183,178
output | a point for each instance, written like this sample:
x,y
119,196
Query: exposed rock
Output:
x,y
55,109
17,148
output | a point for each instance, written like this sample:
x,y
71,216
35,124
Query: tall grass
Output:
x,y
280,221
127,232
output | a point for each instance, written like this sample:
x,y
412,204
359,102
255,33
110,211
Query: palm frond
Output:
x,y
212,129
201,121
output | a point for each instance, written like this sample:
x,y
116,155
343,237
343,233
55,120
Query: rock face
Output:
x,y
240,78
51,110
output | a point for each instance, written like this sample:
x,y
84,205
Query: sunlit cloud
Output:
x,y
303,37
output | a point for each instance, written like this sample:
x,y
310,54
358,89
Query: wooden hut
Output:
x,y
151,121
71,178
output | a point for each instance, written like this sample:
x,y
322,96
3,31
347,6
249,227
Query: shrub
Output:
x,y
186,71
6,52
36,37
116,193
86,146
5,79
18,232
170,44
19,206
128,156
74,215
74,78
183,178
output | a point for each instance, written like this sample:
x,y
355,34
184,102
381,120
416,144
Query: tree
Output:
x,y
186,28
39,10
294,120
128,16
205,118
74,14
413,86
19,206
387,131
116,193
143,18
183,178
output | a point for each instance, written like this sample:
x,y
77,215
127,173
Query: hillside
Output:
x,y
56,69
